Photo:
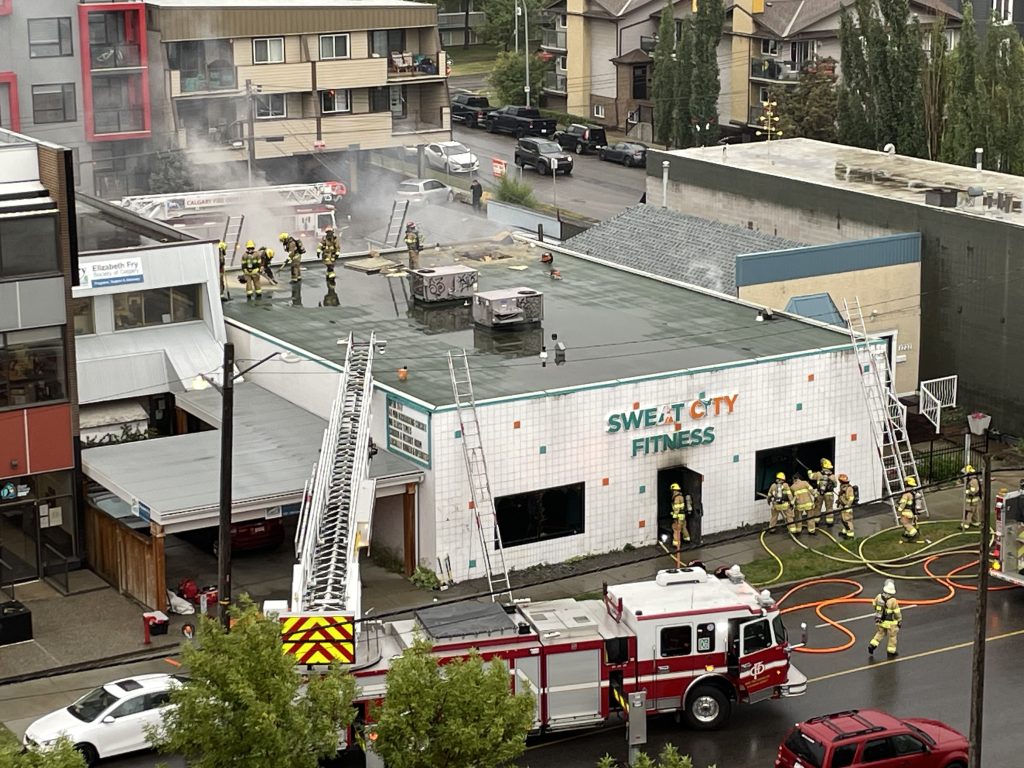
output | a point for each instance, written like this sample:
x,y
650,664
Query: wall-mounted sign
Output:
x,y
682,418
409,431
102,274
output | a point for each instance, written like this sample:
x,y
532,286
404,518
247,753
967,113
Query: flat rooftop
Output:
x,y
106,227
894,177
616,325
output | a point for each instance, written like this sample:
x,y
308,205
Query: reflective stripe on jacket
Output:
x,y
887,609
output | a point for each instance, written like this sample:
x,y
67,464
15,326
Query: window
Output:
x,y
133,706
385,42
769,47
800,52
157,307
380,99
599,111
640,81
157,700
706,637
107,28
551,513
877,750
54,103
843,756
764,95
28,245
333,46
49,37
396,101
676,641
756,637
616,650
81,311
334,101
905,744
268,50
781,635
32,367
270,105
789,459
810,751
560,64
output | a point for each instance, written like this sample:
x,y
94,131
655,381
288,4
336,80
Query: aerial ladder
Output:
x,y
493,554
887,414
169,206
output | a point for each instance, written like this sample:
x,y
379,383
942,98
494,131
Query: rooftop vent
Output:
x,y
691,575
512,308
943,197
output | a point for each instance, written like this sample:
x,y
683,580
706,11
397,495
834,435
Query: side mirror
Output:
x,y
803,637
108,719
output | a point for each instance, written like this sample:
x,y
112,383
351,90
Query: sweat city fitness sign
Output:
x,y
685,420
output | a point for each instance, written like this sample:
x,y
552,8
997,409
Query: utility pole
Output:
x,y
515,21
526,48
980,619
251,128
226,446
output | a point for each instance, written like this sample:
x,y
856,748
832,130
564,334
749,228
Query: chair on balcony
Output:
x,y
402,62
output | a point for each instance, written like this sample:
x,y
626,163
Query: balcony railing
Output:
x,y
773,69
112,56
118,120
553,38
215,79
648,44
417,65
754,115
554,82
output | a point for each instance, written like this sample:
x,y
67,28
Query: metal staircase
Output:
x,y
476,466
233,235
398,211
888,414
335,516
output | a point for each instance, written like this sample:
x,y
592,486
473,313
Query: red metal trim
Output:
x,y
11,80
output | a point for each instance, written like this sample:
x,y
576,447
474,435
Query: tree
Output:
x,y
809,109
508,77
682,130
60,755
171,173
708,24
245,704
663,87
934,88
1004,94
965,104
500,28
855,111
460,714
669,757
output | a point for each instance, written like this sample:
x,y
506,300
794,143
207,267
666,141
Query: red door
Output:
x,y
762,663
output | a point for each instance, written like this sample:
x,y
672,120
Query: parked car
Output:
x,y
451,157
542,154
628,153
109,720
520,121
248,536
582,139
869,737
470,109
425,191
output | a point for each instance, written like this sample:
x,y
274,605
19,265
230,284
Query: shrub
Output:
x,y
512,190
424,578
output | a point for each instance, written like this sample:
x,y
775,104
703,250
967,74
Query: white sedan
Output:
x,y
109,720
451,157
425,191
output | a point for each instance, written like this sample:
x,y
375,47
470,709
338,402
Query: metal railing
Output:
x,y
214,79
63,566
553,38
648,43
943,460
937,394
554,82
118,120
112,56
773,69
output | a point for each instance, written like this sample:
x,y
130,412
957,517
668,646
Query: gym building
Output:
x,y
596,388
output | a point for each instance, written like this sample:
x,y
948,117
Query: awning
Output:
x,y
175,481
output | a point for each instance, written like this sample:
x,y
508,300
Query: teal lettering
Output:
x,y
709,435
633,419
638,442
615,422
650,417
695,436
677,410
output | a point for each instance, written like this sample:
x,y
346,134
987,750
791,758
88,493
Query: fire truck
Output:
x,y
1008,547
303,210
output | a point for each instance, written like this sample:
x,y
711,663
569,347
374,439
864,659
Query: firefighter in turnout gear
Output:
x,y
252,266
266,257
680,530
846,497
972,498
824,486
413,244
328,250
293,251
780,502
907,509
222,251
888,619
803,499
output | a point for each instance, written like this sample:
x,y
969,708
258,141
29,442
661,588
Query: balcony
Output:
x,y
648,43
553,39
114,56
405,67
127,120
279,78
554,82
773,70
213,79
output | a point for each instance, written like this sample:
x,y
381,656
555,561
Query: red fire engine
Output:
x,y
1008,548
695,643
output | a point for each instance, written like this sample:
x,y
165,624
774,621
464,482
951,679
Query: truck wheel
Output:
x,y
628,162
520,133
542,169
579,148
707,708
489,125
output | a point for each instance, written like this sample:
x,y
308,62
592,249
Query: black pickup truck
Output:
x,y
470,109
582,138
520,121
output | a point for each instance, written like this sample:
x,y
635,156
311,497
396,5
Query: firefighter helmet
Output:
x,y
249,245
270,253
844,479
968,470
912,482
826,464
674,487
889,588
411,225
222,245
283,237
780,476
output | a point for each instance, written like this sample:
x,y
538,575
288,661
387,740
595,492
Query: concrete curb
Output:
x,y
153,654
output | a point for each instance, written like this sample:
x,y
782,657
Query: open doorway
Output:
x,y
690,483
789,459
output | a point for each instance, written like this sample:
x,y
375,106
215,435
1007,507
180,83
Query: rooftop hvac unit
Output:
x,y
943,197
447,283
511,308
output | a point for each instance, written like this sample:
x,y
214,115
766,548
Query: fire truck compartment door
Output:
x,y
573,688
762,662
527,674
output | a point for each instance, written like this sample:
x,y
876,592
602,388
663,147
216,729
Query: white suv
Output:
x,y
110,720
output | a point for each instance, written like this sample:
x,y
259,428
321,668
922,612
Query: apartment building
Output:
x,y
39,448
604,53
119,81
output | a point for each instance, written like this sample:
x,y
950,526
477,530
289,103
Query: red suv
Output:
x,y
867,737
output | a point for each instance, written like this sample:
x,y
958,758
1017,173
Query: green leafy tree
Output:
x,y
669,757
809,109
708,24
1004,94
934,86
60,755
500,28
663,87
246,705
459,714
855,109
682,131
965,104
508,77
171,172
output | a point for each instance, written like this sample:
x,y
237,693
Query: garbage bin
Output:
x,y
157,622
15,623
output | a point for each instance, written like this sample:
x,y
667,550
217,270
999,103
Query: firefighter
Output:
x,y
824,487
846,498
780,502
972,498
413,244
888,619
907,509
266,257
222,251
328,250
252,266
803,499
680,530
293,251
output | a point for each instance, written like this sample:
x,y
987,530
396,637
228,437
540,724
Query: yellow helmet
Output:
x,y
270,253
222,245
912,482
674,487
249,244
283,237
968,470
780,476
826,464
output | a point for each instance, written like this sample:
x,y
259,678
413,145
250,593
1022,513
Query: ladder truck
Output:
x,y
1007,561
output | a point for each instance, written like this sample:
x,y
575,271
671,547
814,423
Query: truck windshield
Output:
x,y
780,630
804,747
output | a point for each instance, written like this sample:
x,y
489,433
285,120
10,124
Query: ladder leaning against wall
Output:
x,y
888,415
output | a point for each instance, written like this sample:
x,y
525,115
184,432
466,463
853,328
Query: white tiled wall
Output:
x,y
573,430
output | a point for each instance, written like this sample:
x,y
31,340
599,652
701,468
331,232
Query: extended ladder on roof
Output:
x,y
233,235
888,414
480,488
335,516
398,211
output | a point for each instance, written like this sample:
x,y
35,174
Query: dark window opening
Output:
x,y
756,637
54,103
32,367
790,459
28,245
843,756
877,750
385,42
676,641
616,650
551,513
